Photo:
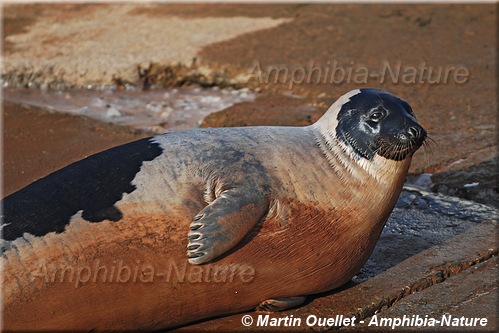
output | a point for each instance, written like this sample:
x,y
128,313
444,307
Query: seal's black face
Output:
x,y
377,122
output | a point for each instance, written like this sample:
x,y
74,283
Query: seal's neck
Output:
x,y
375,183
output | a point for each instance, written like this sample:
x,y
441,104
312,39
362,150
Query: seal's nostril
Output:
x,y
413,132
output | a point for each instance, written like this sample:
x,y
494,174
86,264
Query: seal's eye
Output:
x,y
377,115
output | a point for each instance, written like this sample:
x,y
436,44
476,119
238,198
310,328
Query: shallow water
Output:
x,y
157,110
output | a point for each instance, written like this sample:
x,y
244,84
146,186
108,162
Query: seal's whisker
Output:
x,y
400,150
398,147
429,145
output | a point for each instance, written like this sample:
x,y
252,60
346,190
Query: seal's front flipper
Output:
x,y
224,223
280,304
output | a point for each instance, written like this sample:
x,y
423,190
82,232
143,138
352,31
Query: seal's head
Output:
x,y
372,121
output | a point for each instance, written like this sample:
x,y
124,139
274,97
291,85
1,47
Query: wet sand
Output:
x,y
37,142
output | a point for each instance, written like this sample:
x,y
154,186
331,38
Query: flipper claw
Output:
x,y
224,223
280,304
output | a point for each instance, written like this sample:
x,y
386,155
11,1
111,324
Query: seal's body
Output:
x,y
268,215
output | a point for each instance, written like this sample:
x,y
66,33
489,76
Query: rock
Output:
x,y
154,106
210,99
424,181
113,112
